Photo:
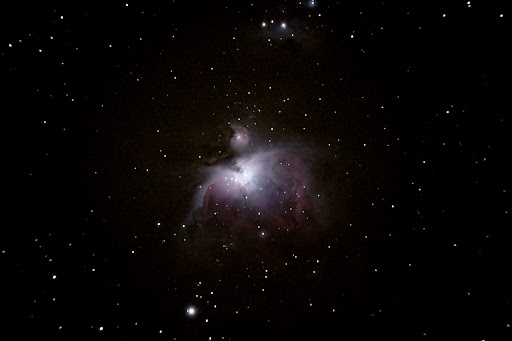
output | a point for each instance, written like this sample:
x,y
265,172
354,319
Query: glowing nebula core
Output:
x,y
255,187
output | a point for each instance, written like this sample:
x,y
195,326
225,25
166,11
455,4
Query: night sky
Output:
x,y
238,170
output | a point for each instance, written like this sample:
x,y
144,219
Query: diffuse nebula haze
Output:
x,y
269,189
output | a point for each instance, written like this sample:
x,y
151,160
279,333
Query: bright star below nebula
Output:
x,y
255,188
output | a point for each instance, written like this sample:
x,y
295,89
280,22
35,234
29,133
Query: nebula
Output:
x,y
269,188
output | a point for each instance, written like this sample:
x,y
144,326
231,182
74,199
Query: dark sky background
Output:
x,y
396,112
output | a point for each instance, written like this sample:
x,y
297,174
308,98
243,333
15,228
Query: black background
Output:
x,y
410,116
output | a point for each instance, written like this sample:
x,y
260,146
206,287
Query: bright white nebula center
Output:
x,y
246,174
238,180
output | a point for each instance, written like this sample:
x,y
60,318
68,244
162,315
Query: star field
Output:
x,y
240,170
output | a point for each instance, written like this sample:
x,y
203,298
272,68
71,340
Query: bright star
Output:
x,y
191,311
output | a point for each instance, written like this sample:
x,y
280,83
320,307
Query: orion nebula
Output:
x,y
256,170
251,187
